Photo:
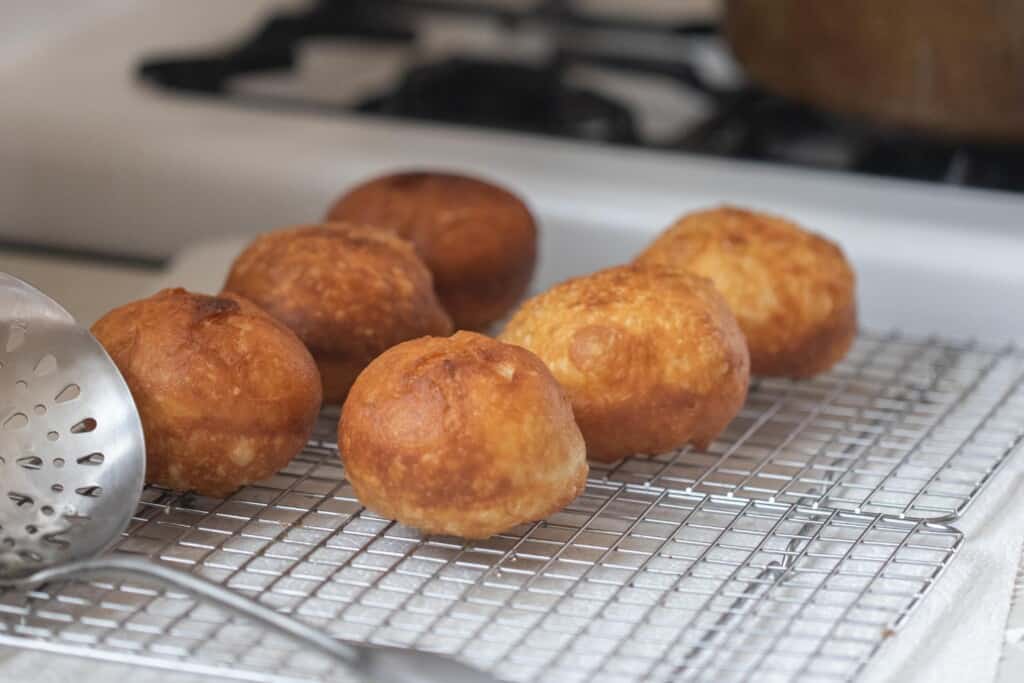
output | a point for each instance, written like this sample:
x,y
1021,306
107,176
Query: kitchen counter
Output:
x,y
87,288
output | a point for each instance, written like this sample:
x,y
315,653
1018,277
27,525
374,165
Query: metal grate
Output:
x,y
768,554
900,427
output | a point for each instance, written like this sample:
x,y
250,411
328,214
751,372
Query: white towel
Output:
x,y
956,634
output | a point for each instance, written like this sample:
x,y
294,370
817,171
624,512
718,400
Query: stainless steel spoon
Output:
x,y
73,458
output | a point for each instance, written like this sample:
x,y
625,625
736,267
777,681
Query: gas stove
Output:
x,y
568,70
104,152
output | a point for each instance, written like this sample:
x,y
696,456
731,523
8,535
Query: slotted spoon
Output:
x,y
73,460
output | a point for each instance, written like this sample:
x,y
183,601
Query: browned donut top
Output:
x,y
220,361
622,330
459,421
785,284
344,289
465,229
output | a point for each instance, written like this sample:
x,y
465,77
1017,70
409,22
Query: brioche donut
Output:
x,y
461,435
227,395
791,290
478,240
349,292
651,358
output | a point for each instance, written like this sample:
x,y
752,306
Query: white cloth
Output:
x,y
956,633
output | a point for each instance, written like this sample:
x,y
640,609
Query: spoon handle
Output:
x,y
368,663
348,654
379,664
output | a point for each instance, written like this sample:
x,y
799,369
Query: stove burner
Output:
x,y
745,123
507,96
751,124
273,46
976,166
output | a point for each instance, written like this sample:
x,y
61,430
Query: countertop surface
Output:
x,y
86,287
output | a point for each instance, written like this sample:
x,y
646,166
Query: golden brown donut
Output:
x,y
651,358
461,435
791,290
349,292
479,240
227,395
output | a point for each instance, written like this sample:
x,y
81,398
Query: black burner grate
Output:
x,y
507,96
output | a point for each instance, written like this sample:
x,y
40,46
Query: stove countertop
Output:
x,y
87,288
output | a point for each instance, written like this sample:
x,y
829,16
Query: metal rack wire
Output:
x,y
901,427
793,548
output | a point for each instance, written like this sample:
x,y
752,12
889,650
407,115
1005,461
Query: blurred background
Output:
x,y
133,132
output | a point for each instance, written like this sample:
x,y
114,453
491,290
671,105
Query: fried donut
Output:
x,y
791,290
349,292
227,395
479,240
651,358
461,435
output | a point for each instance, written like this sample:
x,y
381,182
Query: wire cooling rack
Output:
x,y
900,427
793,548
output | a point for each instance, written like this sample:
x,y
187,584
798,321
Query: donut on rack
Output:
x,y
348,291
651,358
479,240
792,291
227,395
461,435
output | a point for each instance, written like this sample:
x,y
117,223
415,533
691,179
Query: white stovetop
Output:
x,y
94,159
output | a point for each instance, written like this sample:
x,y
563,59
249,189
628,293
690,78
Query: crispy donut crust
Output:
x,y
461,435
651,358
227,395
793,292
349,292
479,240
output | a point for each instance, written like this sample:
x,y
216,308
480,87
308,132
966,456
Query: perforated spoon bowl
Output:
x,y
73,459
